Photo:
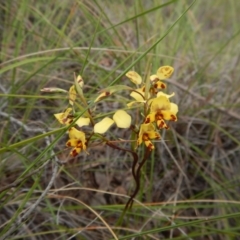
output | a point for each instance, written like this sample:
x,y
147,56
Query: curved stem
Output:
x,y
137,180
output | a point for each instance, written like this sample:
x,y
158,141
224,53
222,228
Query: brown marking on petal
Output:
x,y
74,153
159,116
79,144
150,146
152,90
147,120
65,120
155,79
68,144
157,136
161,124
145,137
105,95
173,118
163,86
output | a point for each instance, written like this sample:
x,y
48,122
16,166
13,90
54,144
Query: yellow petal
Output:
x,y
150,118
149,145
122,119
72,142
75,151
174,108
76,134
153,135
59,117
134,77
168,115
154,78
146,127
76,143
138,94
160,103
64,118
161,124
83,121
166,95
80,81
165,72
102,95
72,95
102,126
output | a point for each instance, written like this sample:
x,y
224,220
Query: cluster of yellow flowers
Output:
x,y
159,108
149,97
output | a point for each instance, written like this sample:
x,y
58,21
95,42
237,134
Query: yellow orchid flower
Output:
x,y
163,73
147,132
67,118
77,141
162,109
